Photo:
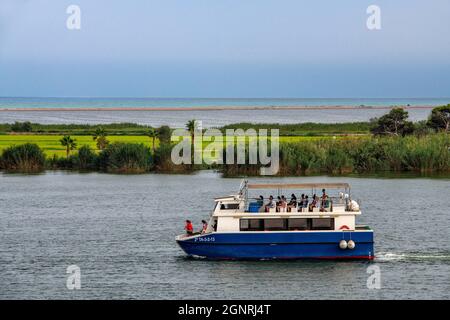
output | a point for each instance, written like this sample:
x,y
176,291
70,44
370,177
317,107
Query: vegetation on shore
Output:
x,y
26,157
390,143
429,153
133,129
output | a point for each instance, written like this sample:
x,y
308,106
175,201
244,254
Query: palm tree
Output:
x,y
69,143
153,134
191,125
100,137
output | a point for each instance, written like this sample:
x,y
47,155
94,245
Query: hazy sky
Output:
x,y
225,48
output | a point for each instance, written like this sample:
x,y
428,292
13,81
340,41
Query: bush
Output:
x,y
440,118
85,159
164,133
393,123
56,162
22,127
122,157
24,158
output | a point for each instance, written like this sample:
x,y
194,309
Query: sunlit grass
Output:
x,y
51,146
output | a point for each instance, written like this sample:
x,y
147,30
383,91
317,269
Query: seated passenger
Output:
x,y
325,203
313,203
189,228
300,203
260,201
271,204
305,202
278,203
292,203
283,204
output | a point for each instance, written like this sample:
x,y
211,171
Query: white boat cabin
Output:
x,y
241,213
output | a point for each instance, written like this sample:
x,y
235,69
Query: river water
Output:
x,y
120,231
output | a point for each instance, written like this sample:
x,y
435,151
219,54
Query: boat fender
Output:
x,y
343,244
351,244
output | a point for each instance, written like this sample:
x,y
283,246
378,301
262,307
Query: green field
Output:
x,y
51,146
50,143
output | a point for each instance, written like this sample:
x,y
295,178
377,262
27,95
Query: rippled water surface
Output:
x,y
120,231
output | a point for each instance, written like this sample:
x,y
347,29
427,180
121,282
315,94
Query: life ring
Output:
x,y
344,227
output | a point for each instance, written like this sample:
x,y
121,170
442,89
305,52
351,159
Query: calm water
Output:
x,y
210,118
120,231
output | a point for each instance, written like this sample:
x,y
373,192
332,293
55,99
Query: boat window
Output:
x,y
322,224
286,224
275,224
298,224
229,206
251,225
244,224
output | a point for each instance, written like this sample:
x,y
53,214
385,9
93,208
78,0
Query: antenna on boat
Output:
x,y
243,186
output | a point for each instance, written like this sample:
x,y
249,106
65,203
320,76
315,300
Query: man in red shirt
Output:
x,y
188,227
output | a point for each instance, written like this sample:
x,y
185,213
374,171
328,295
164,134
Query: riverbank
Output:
x,y
428,153
390,143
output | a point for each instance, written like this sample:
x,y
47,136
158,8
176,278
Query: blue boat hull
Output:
x,y
280,245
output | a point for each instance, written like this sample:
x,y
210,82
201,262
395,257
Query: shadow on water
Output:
x,y
271,262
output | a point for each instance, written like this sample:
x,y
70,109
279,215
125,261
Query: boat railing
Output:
x,y
331,204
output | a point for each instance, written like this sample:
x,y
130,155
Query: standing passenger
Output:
x,y
189,228
204,226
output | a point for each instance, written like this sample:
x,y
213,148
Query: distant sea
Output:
x,y
64,112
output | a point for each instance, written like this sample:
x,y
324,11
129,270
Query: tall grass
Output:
x,y
125,158
163,161
27,157
428,153
85,159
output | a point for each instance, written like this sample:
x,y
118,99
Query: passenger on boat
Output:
x,y
325,203
324,194
300,203
305,202
189,228
278,203
260,203
313,203
204,226
270,204
283,204
292,203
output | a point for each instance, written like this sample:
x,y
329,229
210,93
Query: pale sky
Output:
x,y
225,48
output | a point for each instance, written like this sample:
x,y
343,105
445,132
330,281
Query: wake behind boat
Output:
x,y
321,228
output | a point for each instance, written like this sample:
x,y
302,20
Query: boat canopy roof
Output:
x,y
297,185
